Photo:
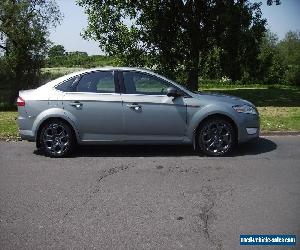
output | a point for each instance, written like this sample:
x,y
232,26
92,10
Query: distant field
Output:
x,y
49,74
60,70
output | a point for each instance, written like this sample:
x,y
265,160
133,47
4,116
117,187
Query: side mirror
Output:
x,y
172,92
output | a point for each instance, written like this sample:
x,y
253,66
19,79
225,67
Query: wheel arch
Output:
x,y
210,116
53,118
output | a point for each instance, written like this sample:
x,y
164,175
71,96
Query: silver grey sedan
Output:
x,y
131,106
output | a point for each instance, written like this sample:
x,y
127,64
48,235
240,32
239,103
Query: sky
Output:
x,y
280,19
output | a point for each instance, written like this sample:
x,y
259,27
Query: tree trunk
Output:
x,y
193,78
193,70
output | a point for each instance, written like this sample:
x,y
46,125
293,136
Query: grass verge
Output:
x,y
272,119
279,109
278,106
279,119
8,125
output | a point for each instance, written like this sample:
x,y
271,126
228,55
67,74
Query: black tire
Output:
x,y
216,137
57,139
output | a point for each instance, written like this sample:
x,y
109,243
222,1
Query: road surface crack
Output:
x,y
112,171
206,216
97,187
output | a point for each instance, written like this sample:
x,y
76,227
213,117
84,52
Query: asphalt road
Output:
x,y
134,197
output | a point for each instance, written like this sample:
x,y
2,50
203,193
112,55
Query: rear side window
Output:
x,y
97,82
67,86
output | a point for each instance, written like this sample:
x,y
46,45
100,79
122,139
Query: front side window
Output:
x,y
141,83
97,82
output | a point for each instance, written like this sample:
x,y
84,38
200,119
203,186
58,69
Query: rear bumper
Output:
x,y
27,135
25,128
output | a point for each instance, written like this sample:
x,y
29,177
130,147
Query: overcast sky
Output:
x,y
280,20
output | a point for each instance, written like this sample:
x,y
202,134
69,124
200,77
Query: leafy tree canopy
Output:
x,y
176,36
270,2
289,49
24,29
56,50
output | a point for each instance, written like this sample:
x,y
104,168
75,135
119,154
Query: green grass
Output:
x,y
279,109
280,118
279,106
274,96
8,125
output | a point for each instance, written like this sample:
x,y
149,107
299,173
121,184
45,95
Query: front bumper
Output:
x,y
248,128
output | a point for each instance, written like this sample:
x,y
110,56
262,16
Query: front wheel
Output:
x,y
216,137
56,139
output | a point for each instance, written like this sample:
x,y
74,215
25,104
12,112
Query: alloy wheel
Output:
x,y
216,137
56,139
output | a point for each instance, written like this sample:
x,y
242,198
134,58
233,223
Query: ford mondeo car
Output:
x,y
131,106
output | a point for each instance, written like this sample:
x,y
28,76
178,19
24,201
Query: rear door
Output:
x,y
149,114
96,106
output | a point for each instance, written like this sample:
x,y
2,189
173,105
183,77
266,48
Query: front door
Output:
x,y
149,114
96,107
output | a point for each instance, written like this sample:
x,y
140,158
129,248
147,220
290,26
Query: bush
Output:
x,y
292,75
5,106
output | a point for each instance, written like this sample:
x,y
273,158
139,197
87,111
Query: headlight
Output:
x,y
245,109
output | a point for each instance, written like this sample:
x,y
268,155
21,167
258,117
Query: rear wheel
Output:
x,y
57,139
216,137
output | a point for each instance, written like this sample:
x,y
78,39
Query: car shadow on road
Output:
x,y
255,147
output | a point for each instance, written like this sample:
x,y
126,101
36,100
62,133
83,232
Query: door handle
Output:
x,y
76,104
134,106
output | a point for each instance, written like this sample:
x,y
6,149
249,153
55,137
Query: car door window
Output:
x,y
141,83
67,85
97,82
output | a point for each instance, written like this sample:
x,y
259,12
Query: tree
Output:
x,y
289,49
271,66
270,2
56,50
175,36
241,29
24,29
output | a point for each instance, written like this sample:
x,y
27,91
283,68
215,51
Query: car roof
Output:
x,y
55,82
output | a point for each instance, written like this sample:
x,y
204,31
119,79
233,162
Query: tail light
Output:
x,y
20,102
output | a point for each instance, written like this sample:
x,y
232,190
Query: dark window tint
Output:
x,y
97,82
140,83
67,85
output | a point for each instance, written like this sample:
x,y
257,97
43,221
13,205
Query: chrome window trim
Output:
x,y
56,85
93,93
80,76
144,95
